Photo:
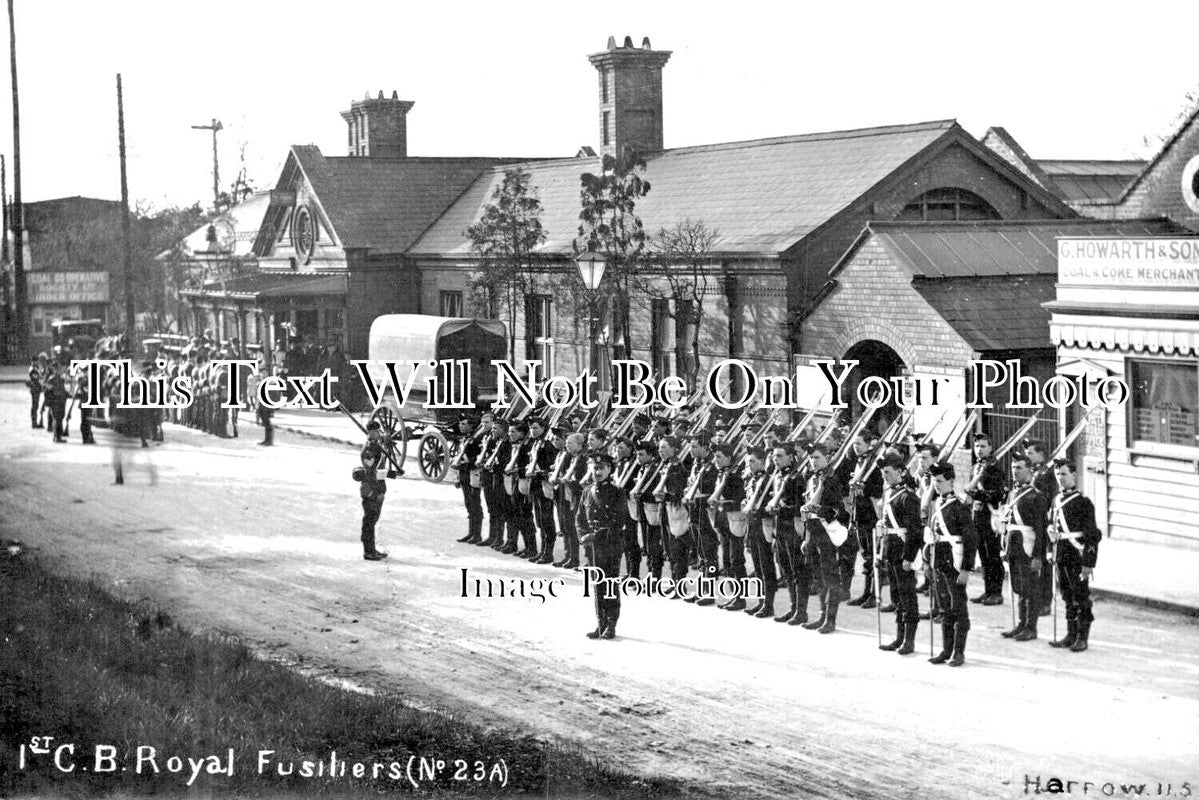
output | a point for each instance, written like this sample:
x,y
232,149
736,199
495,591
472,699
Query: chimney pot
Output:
x,y
628,42
645,44
611,42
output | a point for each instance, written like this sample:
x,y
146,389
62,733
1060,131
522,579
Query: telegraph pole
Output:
x,y
124,213
17,213
214,126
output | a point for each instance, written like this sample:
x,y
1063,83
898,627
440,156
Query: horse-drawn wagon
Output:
x,y
404,339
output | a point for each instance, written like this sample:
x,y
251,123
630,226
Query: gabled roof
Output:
x,y
995,312
1165,148
1091,181
384,203
762,196
237,227
975,249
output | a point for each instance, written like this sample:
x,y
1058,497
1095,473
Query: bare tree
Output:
x,y
682,274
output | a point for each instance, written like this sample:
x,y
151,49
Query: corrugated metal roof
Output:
x,y
761,196
958,250
1092,181
994,312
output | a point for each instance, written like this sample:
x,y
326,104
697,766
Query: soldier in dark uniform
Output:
x,y
55,389
986,490
953,550
541,460
600,523
1042,478
491,461
567,497
865,517
375,469
471,445
902,535
520,510
700,484
641,424
761,551
1075,552
645,452
1024,519
79,392
783,500
731,488
624,467
824,505
672,483
660,428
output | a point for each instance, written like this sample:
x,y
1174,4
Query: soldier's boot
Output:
x,y
959,648
756,607
531,551
609,631
947,639
547,550
801,607
562,562
1029,606
889,608
866,595
709,572
1071,635
830,618
909,639
819,622
1080,642
900,629
793,610
600,626
1021,622
513,533
766,611
470,533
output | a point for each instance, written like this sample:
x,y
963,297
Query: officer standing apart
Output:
x,y
373,473
986,490
601,524
954,548
1075,551
900,543
1024,518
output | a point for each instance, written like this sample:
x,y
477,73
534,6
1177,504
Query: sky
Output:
x,y
1067,79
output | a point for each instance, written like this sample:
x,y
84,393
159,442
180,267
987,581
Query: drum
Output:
x,y
509,484
768,528
634,512
738,523
653,513
547,489
476,478
680,519
524,486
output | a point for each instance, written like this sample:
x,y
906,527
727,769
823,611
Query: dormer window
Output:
x,y
948,205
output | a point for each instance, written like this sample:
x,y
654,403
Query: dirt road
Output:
x,y
263,543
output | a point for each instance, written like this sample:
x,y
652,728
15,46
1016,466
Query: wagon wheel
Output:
x,y
395,433
433,455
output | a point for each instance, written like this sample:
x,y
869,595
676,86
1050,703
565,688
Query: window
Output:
x,y
948,205
604,86
539,331
1165,402
604,134
451,304
661,327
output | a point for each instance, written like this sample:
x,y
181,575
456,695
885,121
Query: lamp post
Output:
x,y
591,269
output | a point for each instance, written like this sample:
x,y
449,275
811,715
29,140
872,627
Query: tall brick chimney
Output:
x,y
630,92
378,127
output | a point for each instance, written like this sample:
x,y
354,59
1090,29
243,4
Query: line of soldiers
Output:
x,y
51,388
209,385
699,502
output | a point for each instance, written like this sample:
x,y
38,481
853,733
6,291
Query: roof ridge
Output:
x,y
982,224
848,133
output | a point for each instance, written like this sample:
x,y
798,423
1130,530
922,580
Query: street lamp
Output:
x,y
591,269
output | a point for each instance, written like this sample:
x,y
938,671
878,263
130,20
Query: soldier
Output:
x,y
79,392
567,496
952,555
728,520
1024,518
37,371
624,466
986,490
865,497
700,484
760,548
373,474
1043,479
824,505
600,523
928,453
520,510
660,428
641,424
55,389
541,460
495,454
471,445
783,499
645,452
902,534
1074,554
672,483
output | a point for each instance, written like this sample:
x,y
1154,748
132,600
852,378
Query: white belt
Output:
x,y
1020,528
895,531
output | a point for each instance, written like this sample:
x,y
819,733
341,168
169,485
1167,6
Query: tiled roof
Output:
x,y
237,227
974,249
1091,181
761,196
994,312
384,203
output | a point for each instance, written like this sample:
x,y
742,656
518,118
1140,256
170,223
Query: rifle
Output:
x,y
386,441
1081,426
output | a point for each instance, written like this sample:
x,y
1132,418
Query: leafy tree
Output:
x,y
608,224
682,256
504,238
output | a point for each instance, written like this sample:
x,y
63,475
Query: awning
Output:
x,y
1125,334
272,286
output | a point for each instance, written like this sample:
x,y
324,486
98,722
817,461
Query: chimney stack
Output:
x,y
630,92
378,127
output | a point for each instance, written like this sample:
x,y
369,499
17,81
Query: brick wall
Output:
x,y
373,288
1160,192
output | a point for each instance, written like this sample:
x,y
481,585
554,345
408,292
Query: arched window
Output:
x,y
948,204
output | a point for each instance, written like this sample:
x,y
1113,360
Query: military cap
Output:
x,y
535,420
644,446
701,438
981,437
818,448
673,441
603,458
894,462
660,420
779,431
723,449
786,447
756,452
598,433
943,470
519,425
561,429
501,422
471,418
642,419
373,425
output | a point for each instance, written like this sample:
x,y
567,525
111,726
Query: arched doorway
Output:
x,y
874,359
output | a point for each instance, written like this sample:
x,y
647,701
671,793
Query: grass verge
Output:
x,y
91,669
